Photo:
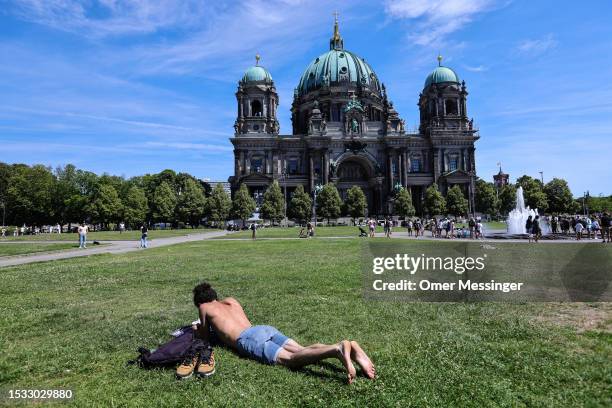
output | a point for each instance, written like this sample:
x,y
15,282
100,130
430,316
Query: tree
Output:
x,y
434,202
300,206
507,199
164,203
273,206
191,203
533,193
559,196
456,203
135,207
355,204
29,195
329,203
218,205
243,205
486,200
105,205
403,204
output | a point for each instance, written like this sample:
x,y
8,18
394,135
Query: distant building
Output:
x,y
226,186
501,179
347,132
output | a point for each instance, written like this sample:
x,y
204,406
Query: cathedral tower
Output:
x,y
257,102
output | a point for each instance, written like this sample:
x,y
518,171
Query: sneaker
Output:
x,y
206,368
187,367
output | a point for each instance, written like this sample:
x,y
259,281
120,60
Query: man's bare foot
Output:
x,y
344,348
363,360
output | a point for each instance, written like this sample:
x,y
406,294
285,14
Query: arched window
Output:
x,y
453,163
415,164
257,164
451,106
256,109
292,165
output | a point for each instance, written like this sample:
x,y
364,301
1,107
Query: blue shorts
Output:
x,y
262,343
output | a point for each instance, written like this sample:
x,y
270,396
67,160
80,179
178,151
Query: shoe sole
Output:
x,y
204,375
180,377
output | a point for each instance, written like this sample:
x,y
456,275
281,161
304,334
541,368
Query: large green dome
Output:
x,y
441,74
337,66
257,74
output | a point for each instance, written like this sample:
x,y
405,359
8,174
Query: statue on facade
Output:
x,y
333,167
354,126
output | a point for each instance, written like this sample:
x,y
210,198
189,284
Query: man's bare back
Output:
x,y
226,317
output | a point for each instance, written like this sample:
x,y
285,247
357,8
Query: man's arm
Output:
x,y
202,329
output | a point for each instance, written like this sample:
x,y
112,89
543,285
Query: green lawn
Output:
x,y
27,248
75,324
293,232
108,235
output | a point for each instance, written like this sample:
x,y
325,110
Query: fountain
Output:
x,y
518,217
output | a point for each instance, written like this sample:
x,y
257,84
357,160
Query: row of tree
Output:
x,y
554,197
38,195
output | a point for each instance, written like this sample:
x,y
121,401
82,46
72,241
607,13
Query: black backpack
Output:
x,y
173,352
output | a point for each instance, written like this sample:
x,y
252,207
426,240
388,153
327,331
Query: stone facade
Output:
x,y
347,132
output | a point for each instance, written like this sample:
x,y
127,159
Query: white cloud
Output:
x,y
478,68
537,46
436,19
100,18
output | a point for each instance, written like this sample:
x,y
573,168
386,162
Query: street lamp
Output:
x,y
284,175
542,177
3,212
317,189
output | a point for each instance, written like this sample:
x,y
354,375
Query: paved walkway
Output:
x,y
109,247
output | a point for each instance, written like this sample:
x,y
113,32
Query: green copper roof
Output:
x,y
257,74
334,66
441,74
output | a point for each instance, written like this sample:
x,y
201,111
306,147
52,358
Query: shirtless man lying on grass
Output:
x,y
265,343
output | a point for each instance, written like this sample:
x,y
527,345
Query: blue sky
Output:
x,y
129,87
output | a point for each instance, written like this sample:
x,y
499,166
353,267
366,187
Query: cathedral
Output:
x,y
347,132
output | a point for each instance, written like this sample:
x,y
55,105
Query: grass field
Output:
x,y
293,232
74,325
108,235
27,248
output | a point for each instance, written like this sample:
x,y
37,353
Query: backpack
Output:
x,y
173,352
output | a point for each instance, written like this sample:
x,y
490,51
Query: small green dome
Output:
x,y
441,74
257,74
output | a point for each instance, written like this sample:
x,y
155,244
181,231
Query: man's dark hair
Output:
x,y
203,293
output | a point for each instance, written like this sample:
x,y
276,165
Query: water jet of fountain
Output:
x,y
518,217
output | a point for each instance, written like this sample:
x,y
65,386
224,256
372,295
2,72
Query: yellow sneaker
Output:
x,y
187,367
206,368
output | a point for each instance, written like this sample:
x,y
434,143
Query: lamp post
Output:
x,y
284,175
3,212
317,188
542,178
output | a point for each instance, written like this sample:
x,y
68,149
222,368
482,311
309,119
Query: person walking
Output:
x,y
409,227
578,228
121,228
144,234
254,230
82,230
536,230
529,227
606,221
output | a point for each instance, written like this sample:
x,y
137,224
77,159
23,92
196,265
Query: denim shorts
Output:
x,y
262,343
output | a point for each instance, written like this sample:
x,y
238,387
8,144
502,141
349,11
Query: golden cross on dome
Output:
x,y
335,13
257,58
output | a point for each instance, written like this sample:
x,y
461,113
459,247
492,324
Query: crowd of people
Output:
x,y
445,227
586,226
